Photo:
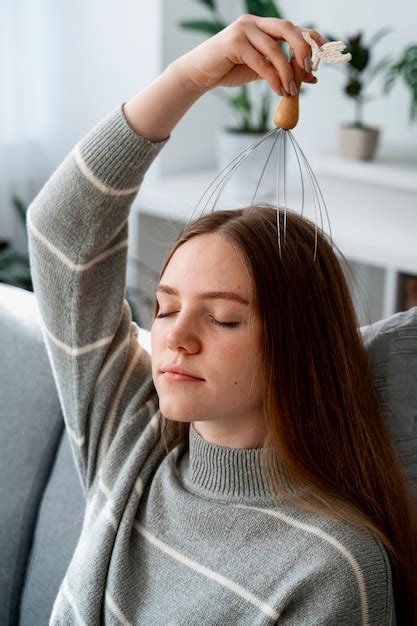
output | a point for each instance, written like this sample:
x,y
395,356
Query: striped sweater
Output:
x,y
194,536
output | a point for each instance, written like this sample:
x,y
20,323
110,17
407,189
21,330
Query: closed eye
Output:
x,y
226,324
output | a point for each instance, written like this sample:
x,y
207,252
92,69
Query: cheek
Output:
x,y
233,359
157,338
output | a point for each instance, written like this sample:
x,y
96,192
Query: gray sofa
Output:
x,y
41,501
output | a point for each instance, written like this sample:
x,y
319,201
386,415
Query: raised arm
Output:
x,y
78,238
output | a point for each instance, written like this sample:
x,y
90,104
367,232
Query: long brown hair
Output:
x,y
323,418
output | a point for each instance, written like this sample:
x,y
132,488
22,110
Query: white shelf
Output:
x,y
395,168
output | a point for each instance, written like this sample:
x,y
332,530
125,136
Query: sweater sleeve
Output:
x,y
77,229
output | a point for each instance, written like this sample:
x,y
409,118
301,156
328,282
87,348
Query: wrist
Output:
x,y
177,71
154,112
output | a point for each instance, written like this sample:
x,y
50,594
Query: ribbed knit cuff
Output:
x,y
116,154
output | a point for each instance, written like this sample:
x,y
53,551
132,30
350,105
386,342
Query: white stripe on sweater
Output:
x,y
321,534
75,267
89,347
209,573
109,424
72,602
111,191
78,440
113,357
57,603
116,610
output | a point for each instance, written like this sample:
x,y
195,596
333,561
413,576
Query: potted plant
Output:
x,y
358,140
405,67
251,104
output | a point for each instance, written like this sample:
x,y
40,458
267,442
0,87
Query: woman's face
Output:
x,y
226,405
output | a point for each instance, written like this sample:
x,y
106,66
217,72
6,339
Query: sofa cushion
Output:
x,y
391,344
31,426
55,538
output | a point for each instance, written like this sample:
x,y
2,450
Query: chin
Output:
x,y
176,418
178,412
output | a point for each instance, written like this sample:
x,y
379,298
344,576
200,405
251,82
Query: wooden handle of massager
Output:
x,y
287,112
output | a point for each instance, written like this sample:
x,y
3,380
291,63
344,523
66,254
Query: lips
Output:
x,y
177,369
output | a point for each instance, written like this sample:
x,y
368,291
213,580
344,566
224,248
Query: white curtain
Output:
x,y
63,66
22,112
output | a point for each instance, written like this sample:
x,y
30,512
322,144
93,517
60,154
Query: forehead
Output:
x,y
208,261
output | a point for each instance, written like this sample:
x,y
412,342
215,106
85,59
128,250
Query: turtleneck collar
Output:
x,y
225,473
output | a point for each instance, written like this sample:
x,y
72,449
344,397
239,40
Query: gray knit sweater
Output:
x,y
195,536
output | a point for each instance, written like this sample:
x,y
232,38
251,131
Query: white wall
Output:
x,y
97,54
64,66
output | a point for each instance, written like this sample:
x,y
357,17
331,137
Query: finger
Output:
x,y
287,31
309,78
318,38
269,48
264,68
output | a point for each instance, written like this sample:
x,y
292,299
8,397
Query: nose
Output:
x,y
182,335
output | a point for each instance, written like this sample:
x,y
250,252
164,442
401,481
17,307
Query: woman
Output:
x,y
261,486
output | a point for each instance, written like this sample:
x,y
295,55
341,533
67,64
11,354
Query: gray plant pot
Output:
x,y
358,143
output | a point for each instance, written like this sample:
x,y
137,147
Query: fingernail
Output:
x,y
293,88
307,64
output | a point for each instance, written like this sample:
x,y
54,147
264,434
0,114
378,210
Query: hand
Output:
x,y
245,51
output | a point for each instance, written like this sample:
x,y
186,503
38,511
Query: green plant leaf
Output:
x,y
203,26
209,3
264,111
405,67
390,79
263,8
409,68
360,57
20,207
15,268
241,101
242,105
378,68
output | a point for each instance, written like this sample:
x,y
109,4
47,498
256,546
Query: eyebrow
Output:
x,y
206,295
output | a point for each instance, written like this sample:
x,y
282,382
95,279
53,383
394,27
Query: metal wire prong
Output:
x,y
277,132
300,170
316,200
243,156
217,186
236,161
317,186
318,190
285,184
278,171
